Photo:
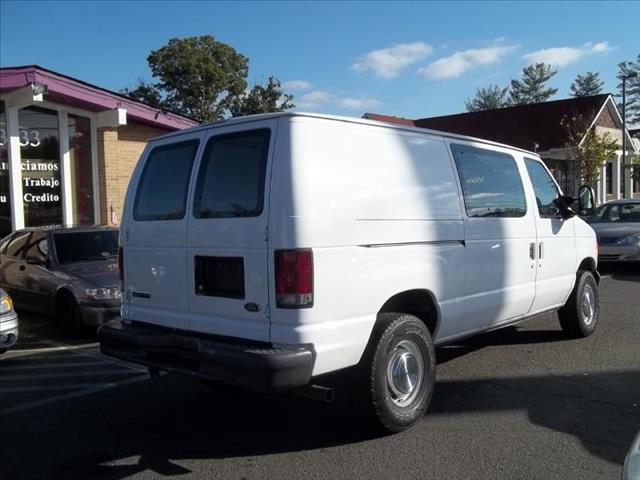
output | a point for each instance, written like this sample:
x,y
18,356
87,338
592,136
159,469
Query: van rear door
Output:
x,y
154,233
227,236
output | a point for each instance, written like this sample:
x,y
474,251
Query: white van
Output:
x,y
268,250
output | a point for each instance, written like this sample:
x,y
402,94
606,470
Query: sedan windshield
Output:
x,y
83,246
621,212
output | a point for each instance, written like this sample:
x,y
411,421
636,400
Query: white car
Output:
x,y
631,467
8,322
268,250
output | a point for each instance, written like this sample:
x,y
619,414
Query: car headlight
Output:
x,y
629,239
102,293
6,305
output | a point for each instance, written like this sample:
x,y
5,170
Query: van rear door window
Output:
x,y
231,180
490,181
163,187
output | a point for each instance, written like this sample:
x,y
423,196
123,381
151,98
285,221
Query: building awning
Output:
x,y
70,91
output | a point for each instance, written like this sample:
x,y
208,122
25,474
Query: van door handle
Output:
x,y
541,250
532,251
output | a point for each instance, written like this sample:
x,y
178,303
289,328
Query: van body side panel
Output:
x,y
381,212
155,277
586,243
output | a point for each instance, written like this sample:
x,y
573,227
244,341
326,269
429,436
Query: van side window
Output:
x,y
164,183
544,187
232,176
490,181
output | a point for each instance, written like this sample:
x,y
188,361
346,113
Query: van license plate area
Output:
x,y
219,276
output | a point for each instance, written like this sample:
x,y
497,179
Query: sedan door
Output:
x,y
39,281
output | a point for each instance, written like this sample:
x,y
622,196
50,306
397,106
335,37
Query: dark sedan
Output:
x,y
69,272
617,227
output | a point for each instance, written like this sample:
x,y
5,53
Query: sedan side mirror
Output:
x,y
36,261
586,201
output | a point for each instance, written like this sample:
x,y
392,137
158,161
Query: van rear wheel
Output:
x,y
579,316
393,383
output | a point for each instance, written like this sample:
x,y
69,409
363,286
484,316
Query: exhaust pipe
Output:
x,y
316,392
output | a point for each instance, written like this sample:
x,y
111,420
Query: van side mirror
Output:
x,y
586,201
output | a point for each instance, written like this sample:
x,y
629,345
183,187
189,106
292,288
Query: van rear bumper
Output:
x,y
250,365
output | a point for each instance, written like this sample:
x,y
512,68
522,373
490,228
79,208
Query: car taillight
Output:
x,y
121,264
294,278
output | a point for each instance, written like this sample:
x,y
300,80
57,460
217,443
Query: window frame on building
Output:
x,y
12,108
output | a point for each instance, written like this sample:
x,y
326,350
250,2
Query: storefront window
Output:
x,y
5,200
40,153
81,170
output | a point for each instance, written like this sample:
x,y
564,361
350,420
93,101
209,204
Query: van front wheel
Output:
x,y
394,380
579,316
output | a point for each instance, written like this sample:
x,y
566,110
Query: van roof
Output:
x,y
338,118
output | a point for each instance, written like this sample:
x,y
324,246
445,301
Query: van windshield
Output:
x,y
84,246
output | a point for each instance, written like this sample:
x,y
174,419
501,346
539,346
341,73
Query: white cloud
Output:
x,y
563,56
312,99
297,85
359,103
455,65
389,62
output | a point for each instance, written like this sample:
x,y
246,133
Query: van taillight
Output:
x,y
294,278
121,264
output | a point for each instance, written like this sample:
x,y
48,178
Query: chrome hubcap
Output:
x,y
405,372
588,304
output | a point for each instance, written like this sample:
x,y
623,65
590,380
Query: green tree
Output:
x,y
532,88
633,90
147,93
262,99
588,148
199,75
488,98
586,85
205,79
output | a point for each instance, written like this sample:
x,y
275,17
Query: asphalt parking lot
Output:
x,y
522,402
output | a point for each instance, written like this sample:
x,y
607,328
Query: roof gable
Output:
x,y
532,127
80,94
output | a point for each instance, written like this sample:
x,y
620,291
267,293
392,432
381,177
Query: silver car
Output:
x,y
631,468
8,322
617,226
71,273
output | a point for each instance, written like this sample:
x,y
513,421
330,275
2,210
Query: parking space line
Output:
x,y
66,386
19,353
89,350
89,391
37,376
50,365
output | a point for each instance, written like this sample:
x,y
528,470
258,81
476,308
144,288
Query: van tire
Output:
x,y
69,316
385,400
579,316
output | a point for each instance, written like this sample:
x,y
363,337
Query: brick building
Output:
x,y
537,127
68,148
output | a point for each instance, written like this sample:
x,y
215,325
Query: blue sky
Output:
x,y
406,59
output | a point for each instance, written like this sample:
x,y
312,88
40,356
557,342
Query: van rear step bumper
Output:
x,y
218,359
